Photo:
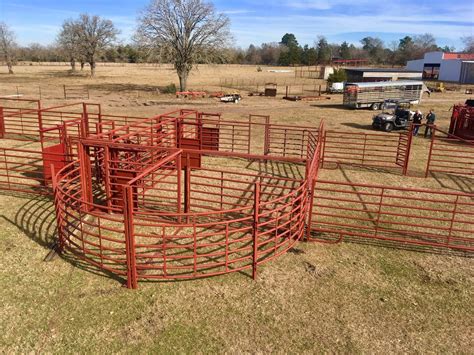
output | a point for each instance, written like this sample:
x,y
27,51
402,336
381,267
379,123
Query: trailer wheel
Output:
x,y
388,127
374,106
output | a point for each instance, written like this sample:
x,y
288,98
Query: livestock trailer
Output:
x,y
373,94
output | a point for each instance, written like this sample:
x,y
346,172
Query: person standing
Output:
x,y
417,118
430,120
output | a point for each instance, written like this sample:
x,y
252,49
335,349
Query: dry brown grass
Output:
x,y
322,298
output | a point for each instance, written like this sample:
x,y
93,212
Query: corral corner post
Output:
x,y
256,211
85,121
129,237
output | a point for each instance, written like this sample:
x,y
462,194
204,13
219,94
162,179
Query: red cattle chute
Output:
x,y
462,122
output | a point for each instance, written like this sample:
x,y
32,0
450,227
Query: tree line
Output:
x,y
372,49
189,32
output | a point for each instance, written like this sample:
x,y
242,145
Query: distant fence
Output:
x,y
76,92
285,86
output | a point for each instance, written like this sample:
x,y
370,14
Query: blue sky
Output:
x,y
256,21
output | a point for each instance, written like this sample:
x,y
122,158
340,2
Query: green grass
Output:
x,y
353,298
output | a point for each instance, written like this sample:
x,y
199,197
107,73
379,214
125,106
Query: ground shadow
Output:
x,y
66,73
335,106
335,239
36,218
454,182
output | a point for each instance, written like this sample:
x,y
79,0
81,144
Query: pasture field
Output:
x,y
346,297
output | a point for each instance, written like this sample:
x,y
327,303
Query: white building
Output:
x,y
454,67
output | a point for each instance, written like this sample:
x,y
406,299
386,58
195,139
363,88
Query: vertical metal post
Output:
x,y
178,177
222,190
108,193
256,211
85,116
433,133
187,185
40,127
408,150
2,123
57,210
266,144
65,96
312,185
86,177
249,134
322,138
129,237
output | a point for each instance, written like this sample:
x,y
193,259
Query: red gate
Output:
x,y
390,151
450,154
54,155
398,215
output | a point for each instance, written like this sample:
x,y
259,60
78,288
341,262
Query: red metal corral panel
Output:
x,y
194,158
210,138
54,155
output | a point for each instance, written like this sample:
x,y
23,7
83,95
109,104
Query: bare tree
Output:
x,y
94,34
7,46
185,31
68,40
424,43
468,42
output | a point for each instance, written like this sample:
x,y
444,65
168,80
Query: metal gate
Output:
x,y
450,154
389,151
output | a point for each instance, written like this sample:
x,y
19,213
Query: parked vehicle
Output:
x,y
336,88
395,115
235,98
373,94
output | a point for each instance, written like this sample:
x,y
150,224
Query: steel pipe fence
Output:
x,y
402,215
390,151
254,221
450,154
132,197
287,141
22,170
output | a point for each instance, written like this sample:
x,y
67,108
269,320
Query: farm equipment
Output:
x,y
192,94
396,115
462,120
439,87
270,89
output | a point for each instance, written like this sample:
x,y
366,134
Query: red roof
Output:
x,y
464,56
